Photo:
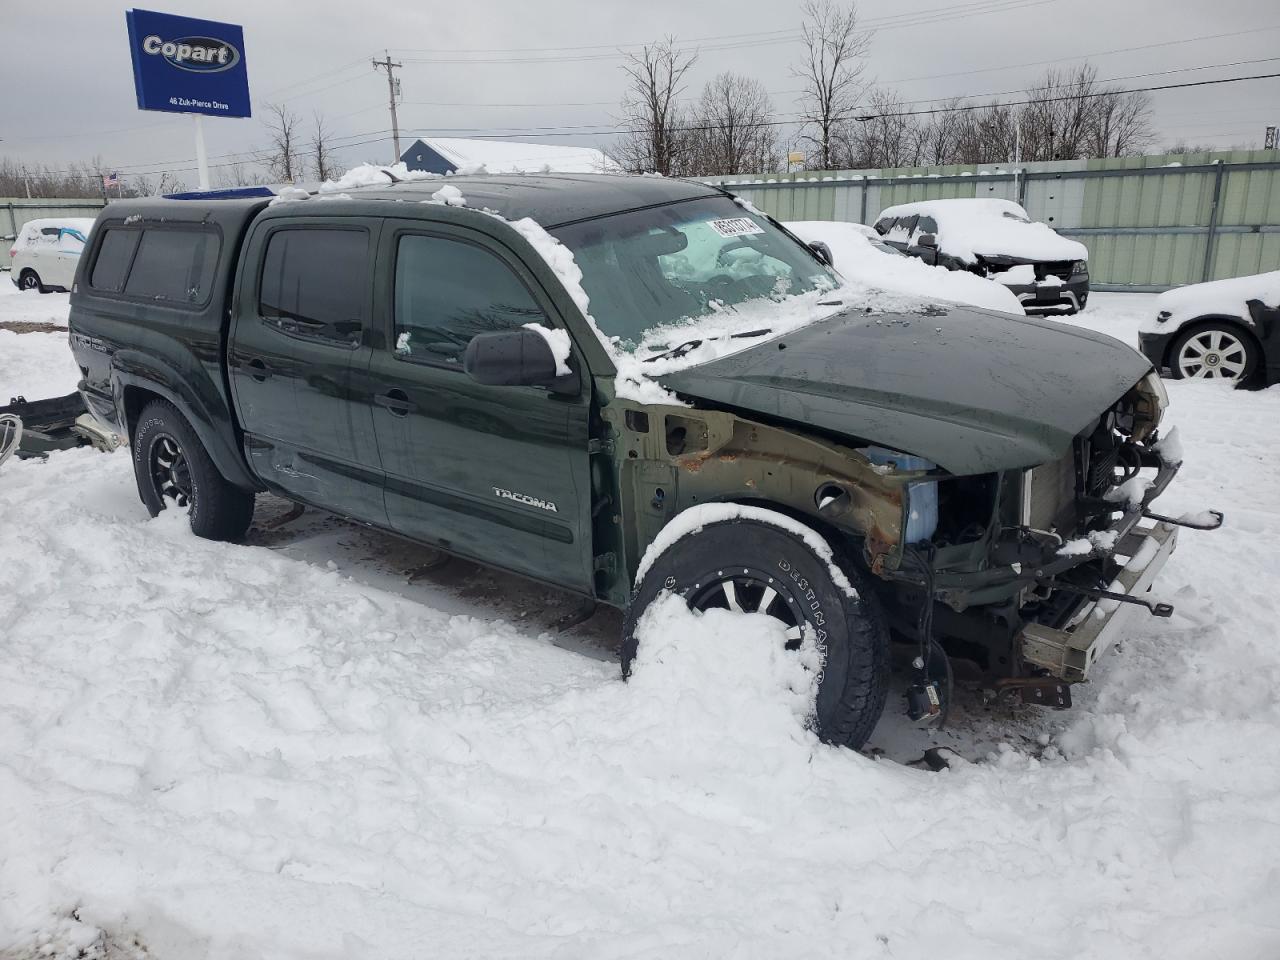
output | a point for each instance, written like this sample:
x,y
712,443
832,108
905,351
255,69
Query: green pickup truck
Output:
x,y
622,386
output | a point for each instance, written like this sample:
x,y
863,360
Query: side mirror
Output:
x,y
927,240
515,358
822,252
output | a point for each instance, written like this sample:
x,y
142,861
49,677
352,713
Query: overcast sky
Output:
x,y
68,85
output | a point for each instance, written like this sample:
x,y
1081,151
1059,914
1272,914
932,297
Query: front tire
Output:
x,y
172,468
1214,351
30,280
757,566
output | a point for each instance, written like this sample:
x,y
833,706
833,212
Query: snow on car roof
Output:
x,y
504,156
970,227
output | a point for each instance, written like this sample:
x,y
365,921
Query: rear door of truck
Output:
x,y
298,334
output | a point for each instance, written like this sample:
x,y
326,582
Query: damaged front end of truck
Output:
x,y
1018,534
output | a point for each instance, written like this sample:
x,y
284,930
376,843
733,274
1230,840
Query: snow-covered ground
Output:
x,y
320,744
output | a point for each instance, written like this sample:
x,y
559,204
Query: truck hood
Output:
x,y
972,390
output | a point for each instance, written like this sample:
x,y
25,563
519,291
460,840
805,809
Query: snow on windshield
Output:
x,y
722,331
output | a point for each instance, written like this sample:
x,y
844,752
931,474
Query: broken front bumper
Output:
x,y
1070,652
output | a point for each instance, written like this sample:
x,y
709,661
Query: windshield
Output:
x,y
654,268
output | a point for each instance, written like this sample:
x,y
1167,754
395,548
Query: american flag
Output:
x,y
110,180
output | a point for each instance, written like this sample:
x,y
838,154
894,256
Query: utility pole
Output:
x,y
393,88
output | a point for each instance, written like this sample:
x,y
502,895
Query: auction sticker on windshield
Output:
x,y
736,227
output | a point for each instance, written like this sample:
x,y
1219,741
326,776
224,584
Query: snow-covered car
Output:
x,y
861,255
994,238
1224,329
46,252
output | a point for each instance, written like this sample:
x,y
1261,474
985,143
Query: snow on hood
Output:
x,y
858,260
973,227
1225,298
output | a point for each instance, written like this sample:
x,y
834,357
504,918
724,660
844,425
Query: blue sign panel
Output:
x,y
183,65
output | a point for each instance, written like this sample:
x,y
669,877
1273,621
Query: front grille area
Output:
x,y
1050,504
1055,268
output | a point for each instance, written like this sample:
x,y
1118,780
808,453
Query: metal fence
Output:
x,y
1150,223
14,212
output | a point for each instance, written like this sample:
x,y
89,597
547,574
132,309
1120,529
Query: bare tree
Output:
x,y
831,71
1121,124
322,160
732,129
650,110
284,146
238,174
889,137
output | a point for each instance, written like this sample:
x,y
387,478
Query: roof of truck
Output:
x,y
551,199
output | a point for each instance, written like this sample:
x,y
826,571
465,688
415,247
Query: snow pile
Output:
x,y
280,751
858,260
1224,298
560,344
450,195
1103,541
984,226
29,307
374,175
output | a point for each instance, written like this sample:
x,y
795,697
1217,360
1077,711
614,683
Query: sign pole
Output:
x,y
202,158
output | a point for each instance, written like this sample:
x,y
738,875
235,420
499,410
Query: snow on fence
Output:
x,y
1150,223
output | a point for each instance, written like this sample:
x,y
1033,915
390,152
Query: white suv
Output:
x,y
46,252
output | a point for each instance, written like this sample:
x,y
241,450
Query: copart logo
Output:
x,y
524,498
196,54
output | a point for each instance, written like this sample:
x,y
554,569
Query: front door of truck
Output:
x,y
499,474
298,340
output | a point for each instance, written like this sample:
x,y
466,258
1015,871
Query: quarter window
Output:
x,y
315,283
447,291
174,265
114,254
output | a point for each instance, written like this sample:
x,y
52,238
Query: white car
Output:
x,y
1221,330
45,254
993,238
860,255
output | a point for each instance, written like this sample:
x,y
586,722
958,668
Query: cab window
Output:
x,y
447,291
314,283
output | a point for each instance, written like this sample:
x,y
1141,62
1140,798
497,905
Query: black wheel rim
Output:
x,y
747,590
170,471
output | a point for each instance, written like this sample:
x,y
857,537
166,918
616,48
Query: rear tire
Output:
x,y
1214,351
30,280
770,569
172,467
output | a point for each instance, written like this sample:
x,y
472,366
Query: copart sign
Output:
x,y
184,65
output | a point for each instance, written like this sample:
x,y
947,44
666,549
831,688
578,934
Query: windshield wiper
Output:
x,y
681,349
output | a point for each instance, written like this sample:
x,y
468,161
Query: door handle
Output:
x,y
259,370
395,402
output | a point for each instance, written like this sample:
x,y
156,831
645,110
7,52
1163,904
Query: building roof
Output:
x,y
551,199
504,156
